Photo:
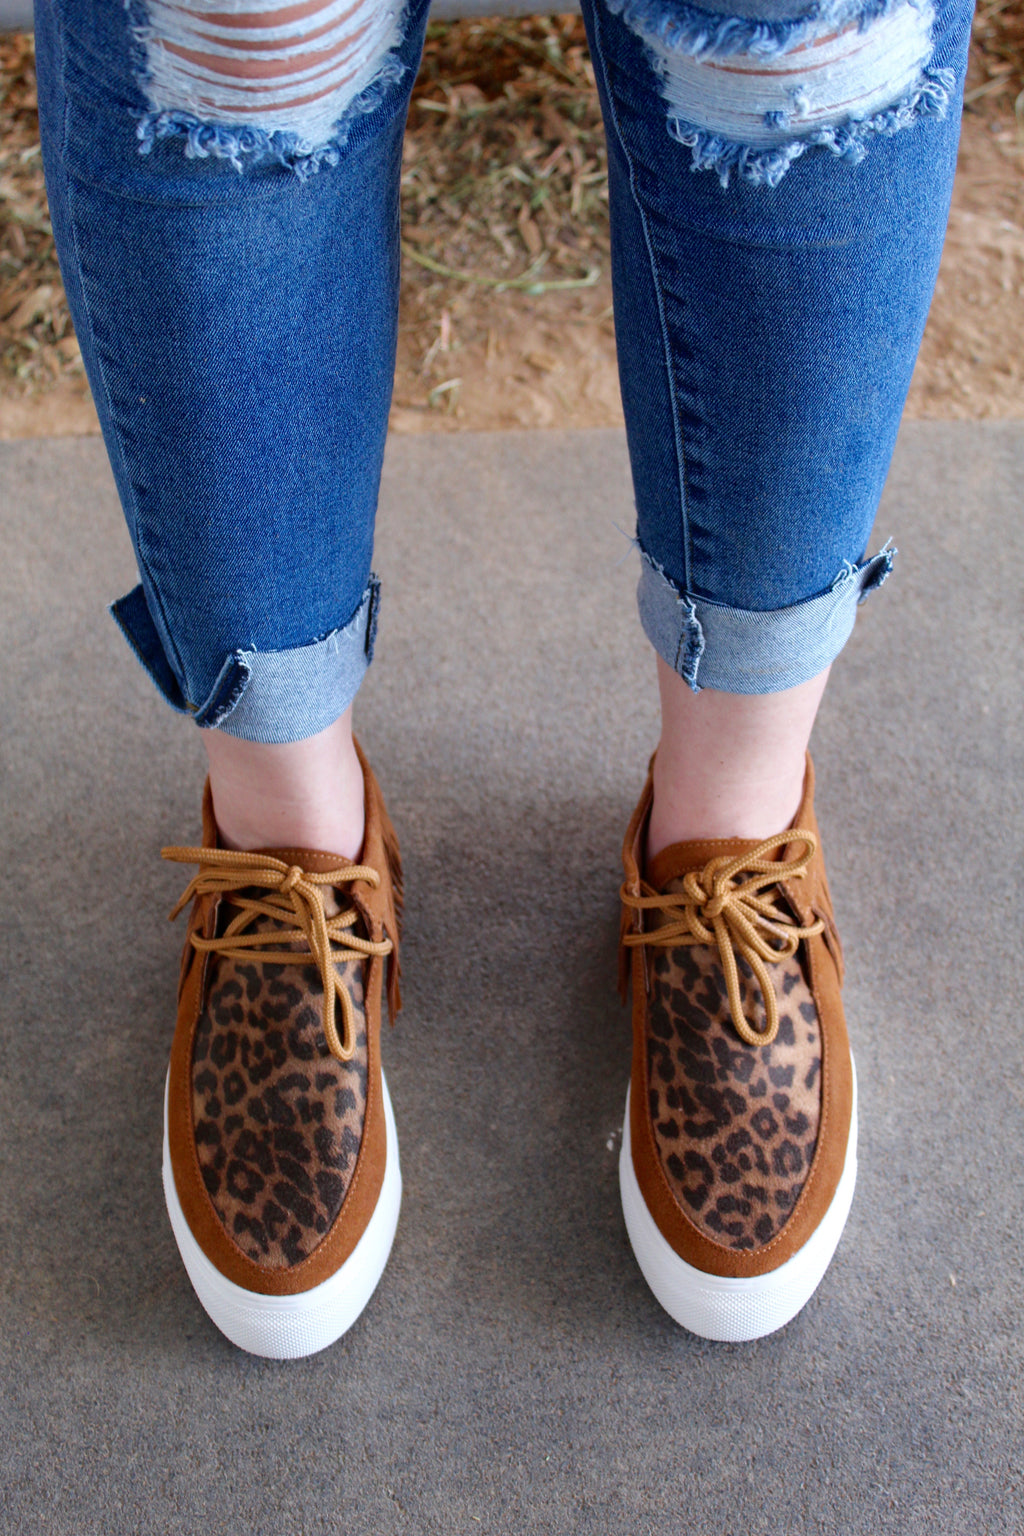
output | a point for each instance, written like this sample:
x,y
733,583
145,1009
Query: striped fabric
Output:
x,y
252,62
836,77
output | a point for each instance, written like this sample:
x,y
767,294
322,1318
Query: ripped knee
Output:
x,y
751,92
250,78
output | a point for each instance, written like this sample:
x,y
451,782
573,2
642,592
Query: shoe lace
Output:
x,y
294,896
724,904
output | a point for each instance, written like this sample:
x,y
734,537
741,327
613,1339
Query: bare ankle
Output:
x,y
729,765
302,794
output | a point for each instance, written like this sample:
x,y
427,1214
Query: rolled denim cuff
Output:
x,y
737,650
267,696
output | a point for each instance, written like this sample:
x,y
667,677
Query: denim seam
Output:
x,y
677,431
143,562
66,125
115,609
691,644
73,221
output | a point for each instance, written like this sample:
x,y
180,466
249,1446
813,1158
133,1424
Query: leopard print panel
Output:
x,y
278,1119
735,1125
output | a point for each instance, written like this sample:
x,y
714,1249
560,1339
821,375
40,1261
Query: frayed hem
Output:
x,y
684,28
240,144
847,141
741,650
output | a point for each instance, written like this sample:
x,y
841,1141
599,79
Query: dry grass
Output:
x,y
504,180
505,230
997,73
37,344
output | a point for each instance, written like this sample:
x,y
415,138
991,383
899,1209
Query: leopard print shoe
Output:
x,y
739,1152
281,1170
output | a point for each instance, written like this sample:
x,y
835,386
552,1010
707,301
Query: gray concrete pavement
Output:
x,y
512,1374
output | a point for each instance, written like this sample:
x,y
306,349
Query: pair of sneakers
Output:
x,y
280,1167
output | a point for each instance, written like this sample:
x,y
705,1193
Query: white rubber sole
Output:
x,y
715,1306
287,1327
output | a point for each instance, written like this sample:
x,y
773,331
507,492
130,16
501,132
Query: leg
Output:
x,y
224,186
729,764
239,333
304,794
770,298
779,183
234,288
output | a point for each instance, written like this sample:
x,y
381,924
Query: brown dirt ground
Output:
x,y
504,184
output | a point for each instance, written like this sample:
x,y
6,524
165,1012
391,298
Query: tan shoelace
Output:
x,y
718,906
294,895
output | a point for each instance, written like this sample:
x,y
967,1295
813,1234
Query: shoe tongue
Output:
x,y
314,860
666,870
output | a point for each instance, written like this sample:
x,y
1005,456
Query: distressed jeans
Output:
x,y
223,178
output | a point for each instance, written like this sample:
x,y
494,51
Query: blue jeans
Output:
x,y
780,173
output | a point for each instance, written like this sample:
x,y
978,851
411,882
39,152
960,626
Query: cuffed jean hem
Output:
x,y
736,650
267,696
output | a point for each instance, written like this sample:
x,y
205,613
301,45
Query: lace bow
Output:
x,y
294,896
723,904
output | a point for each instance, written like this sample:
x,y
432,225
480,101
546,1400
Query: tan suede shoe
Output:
x,y
739,1152
281,1169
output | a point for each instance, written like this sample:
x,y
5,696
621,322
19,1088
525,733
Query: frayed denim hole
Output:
x,y
685,28
742,106
305,145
